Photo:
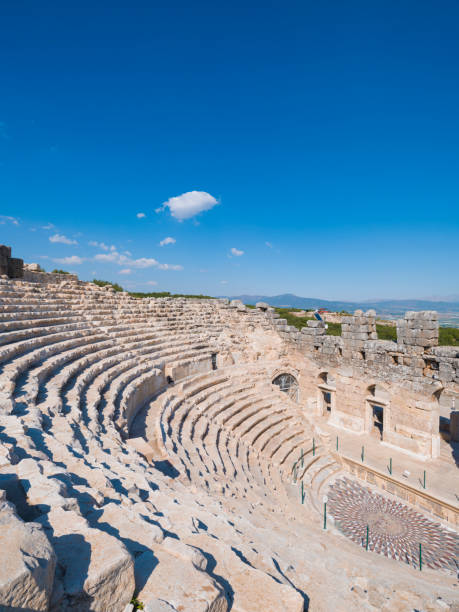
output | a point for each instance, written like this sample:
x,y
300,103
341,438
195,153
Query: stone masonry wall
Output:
x,y
412,374
10,266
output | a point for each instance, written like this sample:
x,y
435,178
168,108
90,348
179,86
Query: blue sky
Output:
x,y
322,138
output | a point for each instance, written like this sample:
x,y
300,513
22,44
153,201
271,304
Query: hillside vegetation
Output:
x,y
156,294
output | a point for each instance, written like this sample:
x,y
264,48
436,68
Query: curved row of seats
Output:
x,y
95,357
76,364
46,343
233,427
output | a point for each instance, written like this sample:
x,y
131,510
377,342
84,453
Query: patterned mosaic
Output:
x,y
394,529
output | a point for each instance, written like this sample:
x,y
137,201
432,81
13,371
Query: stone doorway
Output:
x,y
326,394
327,401
377,428
377,412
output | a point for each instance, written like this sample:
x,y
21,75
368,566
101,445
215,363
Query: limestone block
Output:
x,y
160,575
33,267
359,336
253,590
129,526
43,493
156,605
188,553
95,569
315,324
27,563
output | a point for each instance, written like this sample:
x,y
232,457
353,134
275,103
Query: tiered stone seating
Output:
x,y
150,473
231,427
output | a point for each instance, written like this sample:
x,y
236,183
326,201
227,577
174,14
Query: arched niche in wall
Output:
x,y
326,393
377,411
288,384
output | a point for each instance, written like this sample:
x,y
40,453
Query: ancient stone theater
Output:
x,y
173,454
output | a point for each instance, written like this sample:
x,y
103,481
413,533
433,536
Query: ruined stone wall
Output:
x,y
10,266
35,276
407,378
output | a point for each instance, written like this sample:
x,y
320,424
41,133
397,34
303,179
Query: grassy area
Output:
x,y
449,336
334,329
140,294
386,332
298,322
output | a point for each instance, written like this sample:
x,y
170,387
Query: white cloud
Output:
x,y
68,261
144,262
236,252
128,253
152,283
5,219
62,239
224,282
141,215
189,204
112,257
269,245
125,271
169,267
168,240
99,245
141,263
49,226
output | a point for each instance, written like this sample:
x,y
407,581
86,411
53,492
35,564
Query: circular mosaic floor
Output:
x,y
394,530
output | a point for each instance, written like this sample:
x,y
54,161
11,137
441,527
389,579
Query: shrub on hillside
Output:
x,y
102,283
158,294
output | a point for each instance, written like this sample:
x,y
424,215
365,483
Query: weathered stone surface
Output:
x,y
27,563
160,575
156,605
136,533
202,497
95,570
253,590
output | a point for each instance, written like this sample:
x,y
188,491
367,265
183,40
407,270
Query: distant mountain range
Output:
x,y
386,308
